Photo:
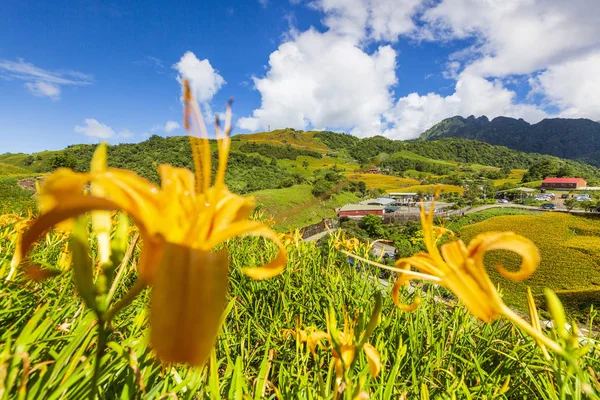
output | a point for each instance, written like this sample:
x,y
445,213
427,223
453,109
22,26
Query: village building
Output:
x,y
405,198
359,210
564,183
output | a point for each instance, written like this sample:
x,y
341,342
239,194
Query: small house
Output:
x,y
359,210
564,183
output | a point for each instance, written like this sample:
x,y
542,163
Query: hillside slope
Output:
x,y
565,138
285,157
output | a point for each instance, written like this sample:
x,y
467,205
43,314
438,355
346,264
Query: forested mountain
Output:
x,y
577,139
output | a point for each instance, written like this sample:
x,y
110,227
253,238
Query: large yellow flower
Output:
x,y
460,268
181,222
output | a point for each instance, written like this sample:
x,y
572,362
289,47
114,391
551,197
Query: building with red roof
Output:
x,y
564,183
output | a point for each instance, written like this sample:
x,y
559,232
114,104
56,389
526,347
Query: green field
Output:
x,y
13,198
296,207
569,245
8,171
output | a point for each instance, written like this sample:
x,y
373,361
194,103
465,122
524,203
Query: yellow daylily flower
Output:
x,y
294,237
460,268
349,244
348,343
181,223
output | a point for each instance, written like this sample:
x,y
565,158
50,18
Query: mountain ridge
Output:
x,y
576,139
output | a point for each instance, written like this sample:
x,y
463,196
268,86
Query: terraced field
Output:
x,y
386,182
428,189
317,163
287,136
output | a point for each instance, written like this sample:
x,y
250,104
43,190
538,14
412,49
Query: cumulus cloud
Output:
x,y
329,79
369,20
322,80
95,129
554,43
518,36
573,86
204,80
41,82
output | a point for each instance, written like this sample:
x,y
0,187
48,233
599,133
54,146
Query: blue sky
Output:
x,y
78,71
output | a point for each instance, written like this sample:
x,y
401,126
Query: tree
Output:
x,y
565,171
373,225
587,205
305,164
570,204
362,187
322,188
28,160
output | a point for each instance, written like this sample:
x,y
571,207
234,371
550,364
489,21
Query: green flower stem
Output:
x,y
124,263
102,336
128,298
525,326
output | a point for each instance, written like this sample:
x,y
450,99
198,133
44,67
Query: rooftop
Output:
x,y
359,207
382,201
563,180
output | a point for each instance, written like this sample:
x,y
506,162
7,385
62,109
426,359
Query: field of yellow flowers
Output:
x,y
48,337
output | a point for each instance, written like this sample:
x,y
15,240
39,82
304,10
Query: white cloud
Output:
x,y
573,86
205,81
324,80
41,88
170,126
518,36
360,20
42,82
553,43
95,129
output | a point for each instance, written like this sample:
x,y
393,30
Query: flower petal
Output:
x,y
177,202
524,247
373,358
404,280
188,298
275,267
68,209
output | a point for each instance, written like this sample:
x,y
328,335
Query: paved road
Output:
x,y
511,205
318,236
383,247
